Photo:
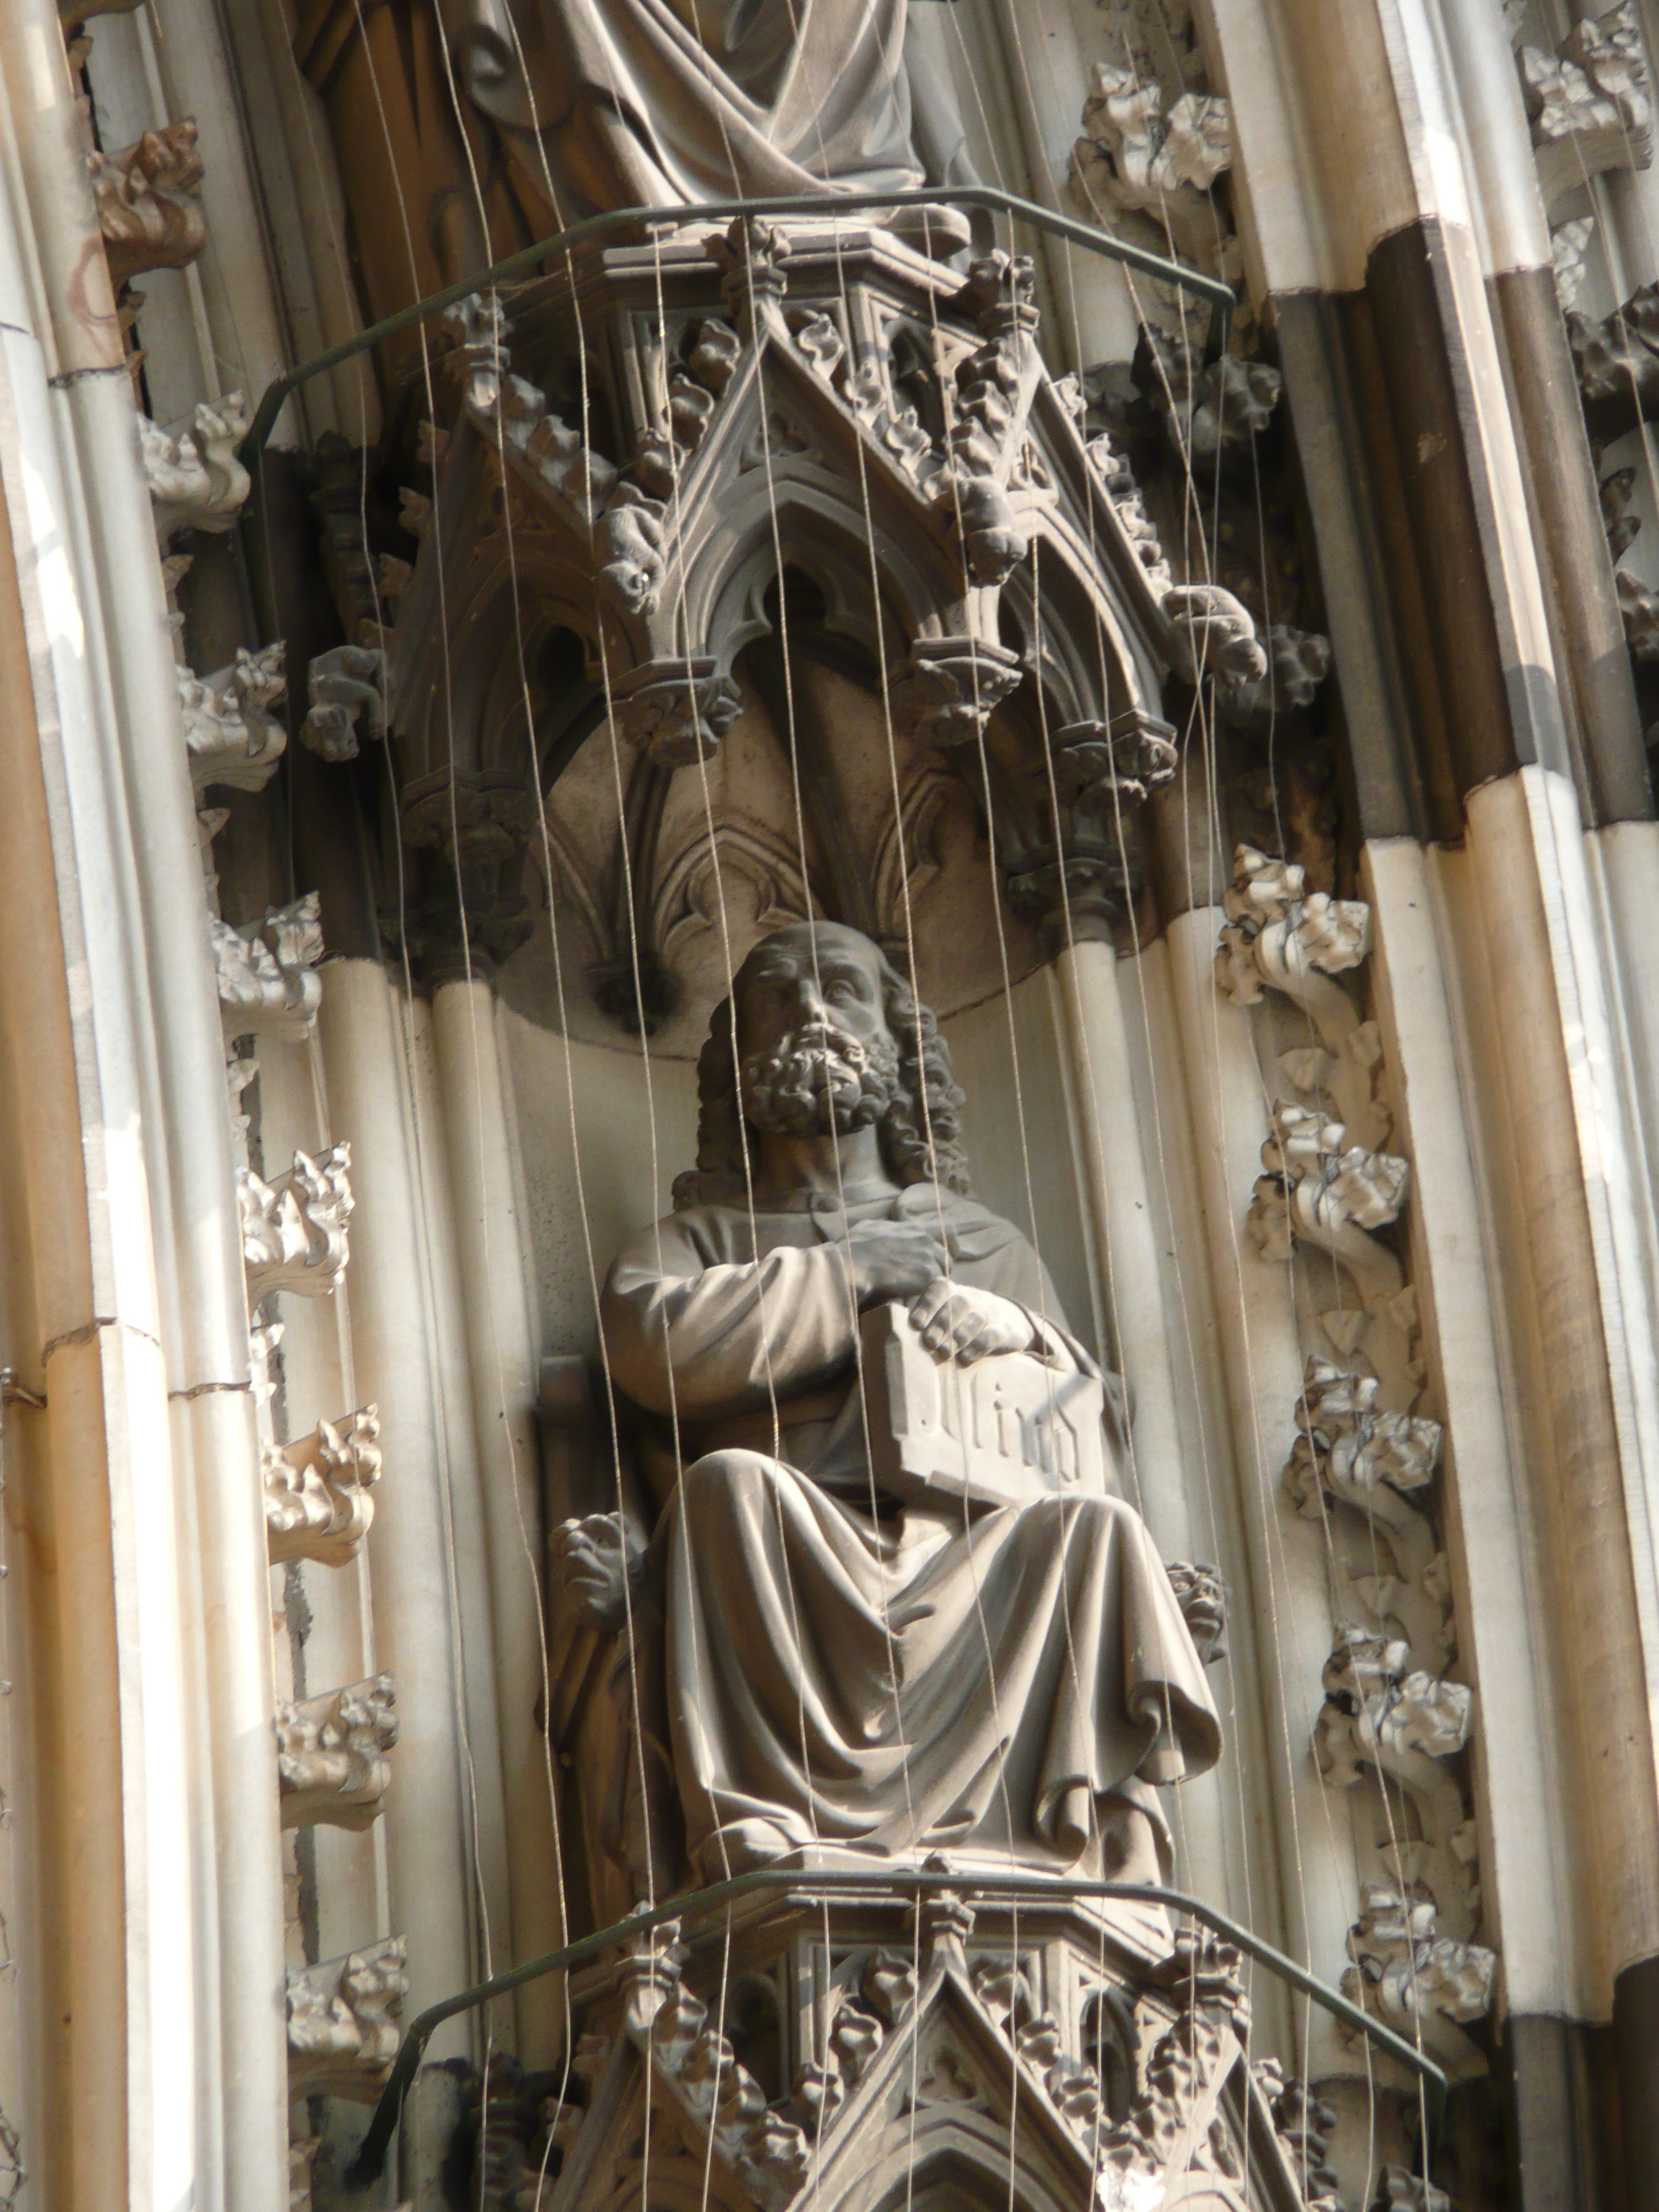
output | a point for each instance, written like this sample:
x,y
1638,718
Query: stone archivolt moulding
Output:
x,y
294,1230
1391,1721
195,481
1589,103
268,984
147,197
318,1504
343,2034
231,735
331,1763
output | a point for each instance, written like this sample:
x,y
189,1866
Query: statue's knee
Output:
x,y
721,1480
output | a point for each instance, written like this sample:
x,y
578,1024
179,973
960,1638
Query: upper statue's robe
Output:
x,y
844,1671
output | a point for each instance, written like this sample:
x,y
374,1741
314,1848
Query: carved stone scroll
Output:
x,y
331,1763
343,2032
316,1501
195,481
294,1230
147,197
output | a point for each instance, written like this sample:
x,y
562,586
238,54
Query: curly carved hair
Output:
x,y
921,1132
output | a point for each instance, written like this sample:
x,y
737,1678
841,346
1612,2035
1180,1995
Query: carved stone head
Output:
x,y
822,1034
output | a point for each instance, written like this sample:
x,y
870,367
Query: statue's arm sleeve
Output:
x,y
699,1338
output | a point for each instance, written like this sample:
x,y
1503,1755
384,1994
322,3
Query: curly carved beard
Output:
x,y
819,1081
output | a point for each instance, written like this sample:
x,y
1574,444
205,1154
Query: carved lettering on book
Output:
x,y
331,1763
316,1501
294,1230
1009,1426
342,2033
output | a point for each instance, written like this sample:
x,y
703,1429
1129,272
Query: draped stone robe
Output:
x,y
847,1673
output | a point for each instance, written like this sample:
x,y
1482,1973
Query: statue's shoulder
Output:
x,y
966,1218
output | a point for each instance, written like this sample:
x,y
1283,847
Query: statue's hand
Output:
x,y
596,1564
894,1259
955,1322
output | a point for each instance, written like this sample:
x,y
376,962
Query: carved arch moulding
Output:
x,y
646,442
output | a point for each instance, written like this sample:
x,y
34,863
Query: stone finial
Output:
x,y
316,1501
267,986
331,1763
147,203
294,1230
195,481
230,733
343,2034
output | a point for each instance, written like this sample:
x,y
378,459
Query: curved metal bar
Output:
x,y
523,263
370,2160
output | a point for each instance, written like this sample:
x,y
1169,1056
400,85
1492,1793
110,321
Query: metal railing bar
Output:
x,y
850,1885
827,204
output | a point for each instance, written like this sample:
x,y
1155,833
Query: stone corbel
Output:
x,y
1589,103
953,686
677,711
1417,1980
343,2032
331,1764
195,481
147,200
317,1490
294,1230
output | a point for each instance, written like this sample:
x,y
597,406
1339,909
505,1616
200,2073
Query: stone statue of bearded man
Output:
x,y
849,1672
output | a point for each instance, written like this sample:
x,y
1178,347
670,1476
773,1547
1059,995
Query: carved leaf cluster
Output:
x,y
316,1501
331,1763
267,986
195,481
147,197
343,2032
294,1230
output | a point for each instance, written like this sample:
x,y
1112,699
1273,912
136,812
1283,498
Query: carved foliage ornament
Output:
x,y
294,1230
195,481
230,732
343,2032
331,1763
147,203
267,986
316,1489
